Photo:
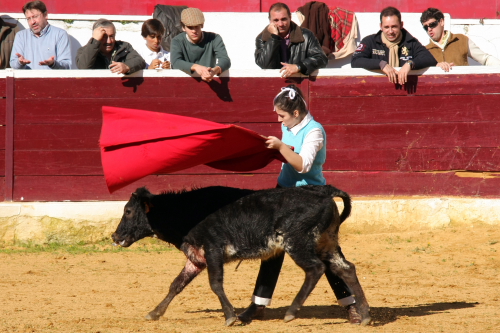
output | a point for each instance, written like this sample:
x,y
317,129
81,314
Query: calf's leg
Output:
x,y
215,266
188,273
314,269
346,270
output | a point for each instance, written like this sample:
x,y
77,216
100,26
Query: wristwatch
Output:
x,y
411,63
299,68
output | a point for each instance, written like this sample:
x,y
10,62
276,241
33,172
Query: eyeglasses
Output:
x,y
34,17
431,25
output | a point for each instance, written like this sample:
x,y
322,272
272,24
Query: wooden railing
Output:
x,y
438,136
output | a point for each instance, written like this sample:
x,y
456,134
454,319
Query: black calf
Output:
x,y
302,221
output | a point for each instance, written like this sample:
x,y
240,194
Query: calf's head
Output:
x,y
134,224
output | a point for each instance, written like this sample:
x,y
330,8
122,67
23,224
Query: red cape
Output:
x,y
137,143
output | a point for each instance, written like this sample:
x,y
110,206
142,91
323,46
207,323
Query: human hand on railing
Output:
x,y
403,74
391,73
288,69
206,73
119,67
445,66
165,64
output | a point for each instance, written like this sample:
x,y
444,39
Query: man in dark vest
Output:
x,y
451,49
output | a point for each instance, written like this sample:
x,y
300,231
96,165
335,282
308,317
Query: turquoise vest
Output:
x,y
289,177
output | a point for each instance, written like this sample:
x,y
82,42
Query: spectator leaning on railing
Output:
x,y
286,46
42,46
451,49
198,51
103,51
8,32
392,47
152,52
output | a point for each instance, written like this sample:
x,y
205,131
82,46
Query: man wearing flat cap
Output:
x,y
198,51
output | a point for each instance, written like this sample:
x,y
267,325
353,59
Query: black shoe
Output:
x,y
254,311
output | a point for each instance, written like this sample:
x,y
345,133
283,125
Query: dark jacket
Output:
x,y
170,17
305,50
372,50
8,33
89,57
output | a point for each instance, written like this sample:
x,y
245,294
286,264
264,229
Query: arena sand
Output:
x,y
440,280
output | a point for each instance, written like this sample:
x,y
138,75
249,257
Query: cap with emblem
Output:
x,y
192,17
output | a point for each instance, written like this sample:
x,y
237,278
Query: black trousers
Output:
x,y
270,271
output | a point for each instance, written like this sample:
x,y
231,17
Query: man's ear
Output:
x,y
401,24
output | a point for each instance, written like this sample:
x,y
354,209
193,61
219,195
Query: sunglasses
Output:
x,y
431,25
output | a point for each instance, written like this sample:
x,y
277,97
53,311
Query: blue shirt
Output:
x,y
53,41
289,177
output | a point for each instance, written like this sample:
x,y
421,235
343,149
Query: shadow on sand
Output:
x,y
380,315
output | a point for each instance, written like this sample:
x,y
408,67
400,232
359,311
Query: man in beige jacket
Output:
x,y
451,49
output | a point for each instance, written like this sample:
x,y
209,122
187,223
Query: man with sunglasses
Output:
x,y
42,46
392,47
451,49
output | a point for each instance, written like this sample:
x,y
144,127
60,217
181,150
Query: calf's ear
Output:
x,y
147,207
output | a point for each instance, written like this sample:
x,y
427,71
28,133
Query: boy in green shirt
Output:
x,y
198,51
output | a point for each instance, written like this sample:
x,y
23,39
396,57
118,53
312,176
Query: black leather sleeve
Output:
x,y
267,53
315,57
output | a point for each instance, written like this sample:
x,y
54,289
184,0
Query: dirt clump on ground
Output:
x,y
440,280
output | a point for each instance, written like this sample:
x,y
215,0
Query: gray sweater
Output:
x,y
210,52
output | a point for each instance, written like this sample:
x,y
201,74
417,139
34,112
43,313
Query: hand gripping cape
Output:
x,y
137,143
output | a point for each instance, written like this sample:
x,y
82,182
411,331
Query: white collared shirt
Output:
x,y
313,142
149,55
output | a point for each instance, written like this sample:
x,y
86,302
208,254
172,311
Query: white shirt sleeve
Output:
x,y
481,57
313,142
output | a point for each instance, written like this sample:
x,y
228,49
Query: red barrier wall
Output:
x,y
457,9
438,138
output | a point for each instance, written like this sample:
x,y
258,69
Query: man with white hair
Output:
x,y
103,51
198,51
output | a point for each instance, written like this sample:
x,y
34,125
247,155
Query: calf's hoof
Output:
x,y
289,317
231,321
355,317
366,321
254,311
152,316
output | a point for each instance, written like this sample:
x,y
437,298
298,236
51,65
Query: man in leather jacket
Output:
x,y
286,46
103,51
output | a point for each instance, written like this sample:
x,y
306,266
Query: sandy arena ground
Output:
x,y
441,280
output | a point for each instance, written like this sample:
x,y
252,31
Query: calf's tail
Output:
x,y
335,192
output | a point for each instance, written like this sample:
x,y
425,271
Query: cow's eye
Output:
x,y
128,211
